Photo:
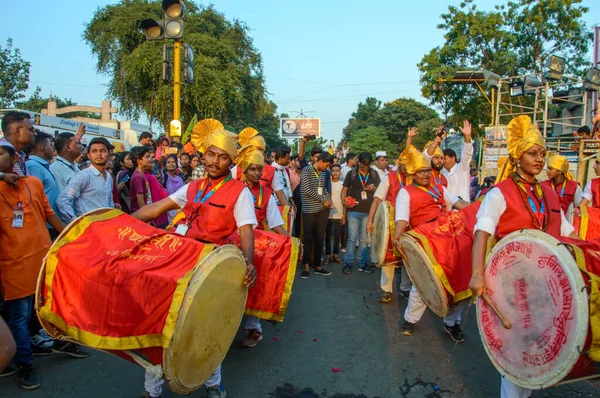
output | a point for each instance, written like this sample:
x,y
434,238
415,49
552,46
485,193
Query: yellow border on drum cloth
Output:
x,y
106,342
287,289
583,224
391,218
285,216
594,351
438,268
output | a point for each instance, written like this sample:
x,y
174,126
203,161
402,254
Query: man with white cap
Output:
x,y
381,164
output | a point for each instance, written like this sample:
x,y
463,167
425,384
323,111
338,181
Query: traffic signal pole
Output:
x,y
177,80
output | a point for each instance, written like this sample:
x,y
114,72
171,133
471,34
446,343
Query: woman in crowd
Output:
x,y
123,169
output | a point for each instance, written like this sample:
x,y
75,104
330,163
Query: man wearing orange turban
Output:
x,y
215,207
517,201
561,182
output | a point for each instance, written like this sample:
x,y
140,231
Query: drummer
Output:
x,y
516,202
251,162
591,192
230,208
388,190
418,203
561,181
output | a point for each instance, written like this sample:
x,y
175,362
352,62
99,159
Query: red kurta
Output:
x,y
397,180
596,192
261,212
439,180
215,220
565,198
266,180
517,216
423,207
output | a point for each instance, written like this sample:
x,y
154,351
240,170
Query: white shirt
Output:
x,y
345,170
274,218
336,198
403,203
587,193
383,187
283,179
382,173
243,210
459,176
578,195
492,208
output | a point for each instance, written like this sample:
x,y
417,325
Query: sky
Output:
x,y
321,57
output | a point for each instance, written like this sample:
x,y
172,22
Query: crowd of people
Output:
x,y
47,182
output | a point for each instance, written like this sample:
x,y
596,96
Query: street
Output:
x,y
332,322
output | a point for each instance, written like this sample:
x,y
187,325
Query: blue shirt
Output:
x,y
63,171
86,191
38,167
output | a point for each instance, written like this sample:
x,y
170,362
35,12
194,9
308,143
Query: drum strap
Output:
x,y
154,370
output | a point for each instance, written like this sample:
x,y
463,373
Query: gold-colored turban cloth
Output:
x,y
250,137
415,160
521,135
210,132
438,151
560,163
249,156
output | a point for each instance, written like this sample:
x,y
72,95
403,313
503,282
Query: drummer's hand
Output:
x,y
400,249
250,278
369,226
477,285
370,188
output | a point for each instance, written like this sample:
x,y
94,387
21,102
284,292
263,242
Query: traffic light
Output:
x,y
188,64
167,69
153,29
173,24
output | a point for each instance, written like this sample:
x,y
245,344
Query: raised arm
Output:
x,y
154,210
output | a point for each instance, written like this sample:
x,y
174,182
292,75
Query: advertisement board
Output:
x,y
298,127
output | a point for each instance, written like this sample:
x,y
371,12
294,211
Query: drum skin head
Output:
x,y
380,235
536,284
423,276
208,321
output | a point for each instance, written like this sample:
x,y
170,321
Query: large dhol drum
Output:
x,y
586,222
168,303
275,259
382,248
540,284
439,258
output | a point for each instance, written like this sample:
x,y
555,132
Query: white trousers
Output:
x,y
416,308
153,384
253,323
387,279
510,390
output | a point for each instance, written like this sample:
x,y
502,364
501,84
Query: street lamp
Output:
x,y
592,80
555,66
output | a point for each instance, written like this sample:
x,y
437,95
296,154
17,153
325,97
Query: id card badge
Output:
x,y
18,216
363,195
182,229
320,190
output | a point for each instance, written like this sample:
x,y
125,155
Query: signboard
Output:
x,y
591,147
495,133
297,128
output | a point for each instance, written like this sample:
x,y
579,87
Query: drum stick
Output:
x,y
505,322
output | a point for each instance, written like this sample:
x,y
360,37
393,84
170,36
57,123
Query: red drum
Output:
x,y
541,286
586,223
168,303
439,258
275,259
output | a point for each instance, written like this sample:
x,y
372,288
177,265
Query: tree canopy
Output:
x,y
510,40
229,83
14,75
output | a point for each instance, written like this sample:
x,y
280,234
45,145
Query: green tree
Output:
x,y
36,103
398,116
362,117
229,82
372,139
14,75
510,40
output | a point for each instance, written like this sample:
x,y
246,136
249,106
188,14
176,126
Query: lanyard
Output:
x,y
69,165
212,191
539,198
315,171
260,196
437,180
436,195
19,202
562,191
363,182
400,179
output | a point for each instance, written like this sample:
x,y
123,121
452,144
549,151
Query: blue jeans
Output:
x,y
19,312
357,231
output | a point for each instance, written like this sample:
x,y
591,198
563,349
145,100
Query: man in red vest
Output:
x,y
560,181
214,207
418,203
591,192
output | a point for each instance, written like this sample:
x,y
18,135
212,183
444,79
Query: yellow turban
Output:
x,y
249,156
210,132
502,161
561,163
438,151
250,137
415,160
521,135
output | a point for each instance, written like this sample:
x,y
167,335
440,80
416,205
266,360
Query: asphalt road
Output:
x,y
332,322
